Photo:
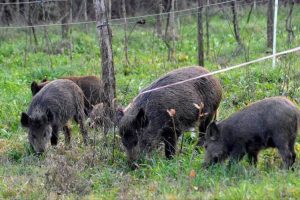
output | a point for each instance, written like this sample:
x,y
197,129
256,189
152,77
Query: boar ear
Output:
x,y
119,114
213,131
25,120
49,115
34,88
141,119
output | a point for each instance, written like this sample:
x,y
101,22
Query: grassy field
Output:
x,y
94,172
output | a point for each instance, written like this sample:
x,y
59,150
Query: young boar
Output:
x,y
152,117
272,122
49,112
91,86
97,117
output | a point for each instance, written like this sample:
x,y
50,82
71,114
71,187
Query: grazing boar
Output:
x,y
91,86
49,112
272,122
163,114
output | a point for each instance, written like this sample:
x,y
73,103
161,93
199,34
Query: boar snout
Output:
x,y
133,154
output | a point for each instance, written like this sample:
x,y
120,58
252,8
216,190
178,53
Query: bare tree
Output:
x,y
270,23
288,22
85,14
207,26
107,62
109,8
65,19
200,34
236,23
125,32
159,18
170,34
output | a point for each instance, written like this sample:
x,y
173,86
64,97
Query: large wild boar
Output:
x,y
152,117
272,122
91,86
49,112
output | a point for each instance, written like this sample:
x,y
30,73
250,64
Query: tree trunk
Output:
x,y
236,23
28,14
270,24
109,9
70,28
159,18
288,22
125,33
207,27
18,9
65,20
170,31
107,62
85,14
200,34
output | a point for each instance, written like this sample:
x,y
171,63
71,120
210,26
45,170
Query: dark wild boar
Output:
x,y
91,86
146,121
49,112
272,122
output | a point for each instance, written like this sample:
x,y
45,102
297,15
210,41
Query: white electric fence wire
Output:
x,y
224,70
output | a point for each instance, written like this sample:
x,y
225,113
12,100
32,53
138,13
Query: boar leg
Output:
x,y
236,155
54,136
252,157
292,149
67,132
286,149
83,130
286,155
170,141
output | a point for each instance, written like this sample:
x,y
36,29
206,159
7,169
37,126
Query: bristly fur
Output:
x,y
91,86
152,108
272,122
64,100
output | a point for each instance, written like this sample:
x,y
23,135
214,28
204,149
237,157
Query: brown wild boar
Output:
x,y
272,122
49,112
146,121
91,86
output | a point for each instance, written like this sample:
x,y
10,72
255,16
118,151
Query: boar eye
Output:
x,y
205,146
44,135
33,136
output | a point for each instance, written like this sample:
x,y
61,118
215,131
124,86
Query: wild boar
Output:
x,y
163,114
91,86
49,112
272,122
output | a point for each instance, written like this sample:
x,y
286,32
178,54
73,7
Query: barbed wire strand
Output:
x,y
31,2
223,70
119,19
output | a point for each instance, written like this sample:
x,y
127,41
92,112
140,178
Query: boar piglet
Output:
x,y
91,86
49,112
98,118
272,122
162,115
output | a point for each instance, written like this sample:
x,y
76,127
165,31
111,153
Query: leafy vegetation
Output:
x,y
95,172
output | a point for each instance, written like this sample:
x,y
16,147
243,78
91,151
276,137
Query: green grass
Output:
x,y
75,173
